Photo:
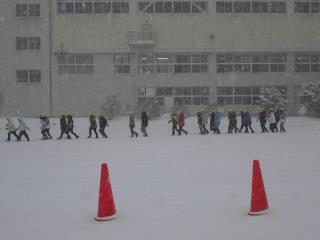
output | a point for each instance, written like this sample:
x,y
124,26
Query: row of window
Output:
x,y
181,95
243,95
307,6
173,6
28,43
27,10
170,63
170,6
253,6
24,76
92,7
156,63
251,63
75,64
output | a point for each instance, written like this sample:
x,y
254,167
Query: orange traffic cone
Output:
x,y
259,202
106,209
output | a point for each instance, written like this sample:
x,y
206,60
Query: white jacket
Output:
x,y
10,125
22,125
272,118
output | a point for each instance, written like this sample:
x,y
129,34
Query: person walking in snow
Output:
x,y
212,121
70,125
11,129
45,127
93,126
199,117
262,118
144,124
63,127
181,122
23,129
217,121
103,123
243,122
132,125
282,116
248,121
204,122
232,116
272,121
174,121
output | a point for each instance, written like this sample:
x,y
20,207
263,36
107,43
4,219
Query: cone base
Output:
x,y
100,219
258,212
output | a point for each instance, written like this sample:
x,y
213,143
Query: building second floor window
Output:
x,y
75,64
25,76
28,43
92,7
307,6
27,10
251,6
247,62
175,6
307,62
121,63
151,63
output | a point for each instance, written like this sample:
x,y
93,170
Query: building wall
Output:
x,y
28,99
102,35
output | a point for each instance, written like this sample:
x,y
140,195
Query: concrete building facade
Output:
x,y
174,52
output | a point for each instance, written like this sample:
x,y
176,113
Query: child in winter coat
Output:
x,y
23,129
199,117
63,127
248,122
262,116
11,129
144,124
93,125
132,125
272,121
217,121
102,125
204,122
45,127
282,116
70,126
174,121
181,122
232,116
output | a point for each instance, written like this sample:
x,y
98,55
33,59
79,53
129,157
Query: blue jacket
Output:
x,y
217,118
247,118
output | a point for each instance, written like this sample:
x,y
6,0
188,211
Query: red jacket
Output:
x,y
181,119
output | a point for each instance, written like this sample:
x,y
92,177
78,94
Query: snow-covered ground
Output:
x,y
165,187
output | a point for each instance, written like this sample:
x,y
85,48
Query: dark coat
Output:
x,y
103,122
144,120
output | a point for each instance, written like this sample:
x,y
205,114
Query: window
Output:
x,y
121,63
307,6
34,43
27,10
308,62
24,76
28,43
92,6
245,95
21,43
173,6
251,6
278,7
185,95
75,64
255,63
242,7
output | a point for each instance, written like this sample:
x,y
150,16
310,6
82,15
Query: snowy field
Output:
x,y
165,187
